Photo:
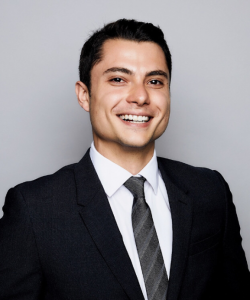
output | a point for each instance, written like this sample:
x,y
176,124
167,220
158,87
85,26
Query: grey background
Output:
x,y
43,128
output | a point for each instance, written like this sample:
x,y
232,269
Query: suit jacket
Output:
x,y
59,239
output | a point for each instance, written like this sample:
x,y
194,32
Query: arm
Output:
x,y
20,270
236,274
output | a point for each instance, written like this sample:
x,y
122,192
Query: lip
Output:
x,y
135,114
137,125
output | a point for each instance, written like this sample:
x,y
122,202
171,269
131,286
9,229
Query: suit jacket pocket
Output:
x,y
205,244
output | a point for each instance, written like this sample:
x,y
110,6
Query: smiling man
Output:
x,y
130,101
122,223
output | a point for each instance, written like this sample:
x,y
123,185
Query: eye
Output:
x,y
155,82
116,79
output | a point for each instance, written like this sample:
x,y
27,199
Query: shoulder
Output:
x,y
177,166
46,186
205,189
192,177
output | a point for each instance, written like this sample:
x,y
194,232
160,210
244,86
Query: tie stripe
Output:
x,y
147,243
157,284
138,226
144,247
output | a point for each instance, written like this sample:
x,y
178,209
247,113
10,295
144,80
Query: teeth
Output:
x,y
135,118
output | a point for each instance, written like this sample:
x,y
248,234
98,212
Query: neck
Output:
x,y
132,159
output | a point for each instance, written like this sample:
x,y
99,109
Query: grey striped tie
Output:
x,y
147,243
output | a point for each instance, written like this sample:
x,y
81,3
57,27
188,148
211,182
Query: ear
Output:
x,y
82,94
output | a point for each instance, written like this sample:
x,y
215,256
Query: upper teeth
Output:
x,y
134,118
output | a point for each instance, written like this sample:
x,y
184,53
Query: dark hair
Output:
x,y
131,30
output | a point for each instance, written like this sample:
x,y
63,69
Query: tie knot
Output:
x,y
136,186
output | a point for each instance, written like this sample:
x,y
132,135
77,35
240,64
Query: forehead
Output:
x,y
143,56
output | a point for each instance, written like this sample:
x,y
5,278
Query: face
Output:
x,y
130,99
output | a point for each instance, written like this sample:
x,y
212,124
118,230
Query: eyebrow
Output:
x,y
157,72
117,69
129,72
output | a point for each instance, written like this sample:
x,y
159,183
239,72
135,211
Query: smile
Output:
x,y
134,118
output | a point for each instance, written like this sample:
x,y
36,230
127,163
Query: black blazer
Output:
x,y
59,239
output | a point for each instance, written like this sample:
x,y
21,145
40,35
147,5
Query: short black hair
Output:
x,y
131,30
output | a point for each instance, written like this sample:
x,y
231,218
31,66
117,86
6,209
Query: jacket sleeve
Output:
x,y
236,274
20,271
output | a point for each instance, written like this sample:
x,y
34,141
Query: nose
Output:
x,y
138,94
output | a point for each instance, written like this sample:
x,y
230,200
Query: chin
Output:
x,y
136,144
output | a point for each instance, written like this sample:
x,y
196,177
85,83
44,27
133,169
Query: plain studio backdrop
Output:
x,y
43,128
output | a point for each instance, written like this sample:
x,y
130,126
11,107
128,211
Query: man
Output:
x,y
122,224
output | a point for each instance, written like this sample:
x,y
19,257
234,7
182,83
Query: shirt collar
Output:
x,y
117,175
150,172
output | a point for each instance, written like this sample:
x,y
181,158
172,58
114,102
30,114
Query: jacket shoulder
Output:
x,y
188,176
46,186
178,165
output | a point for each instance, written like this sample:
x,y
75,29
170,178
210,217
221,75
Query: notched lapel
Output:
x,y
181,213
98,218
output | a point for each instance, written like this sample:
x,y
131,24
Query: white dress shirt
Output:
x,y
120,199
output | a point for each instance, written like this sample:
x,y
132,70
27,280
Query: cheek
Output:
x,y
166,115
164,112
103,107
108,97
163,106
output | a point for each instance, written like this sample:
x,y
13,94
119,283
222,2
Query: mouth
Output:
x,y
135,118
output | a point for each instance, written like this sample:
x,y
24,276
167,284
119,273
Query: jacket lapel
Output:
x,y
97,216
181,212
